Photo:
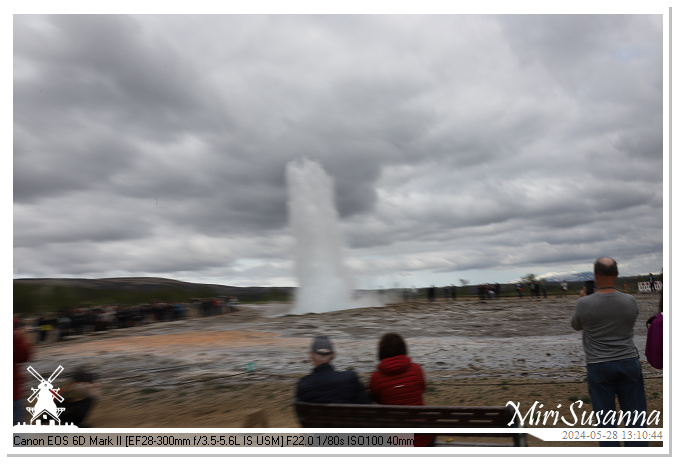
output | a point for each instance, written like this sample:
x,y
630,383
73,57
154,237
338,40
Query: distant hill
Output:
x,y
118,283
45,295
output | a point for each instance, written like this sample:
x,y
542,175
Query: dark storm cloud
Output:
x,y
158,144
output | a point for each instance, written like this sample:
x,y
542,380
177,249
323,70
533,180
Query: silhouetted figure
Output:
x,y
431,293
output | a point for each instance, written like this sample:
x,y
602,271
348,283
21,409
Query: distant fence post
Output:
x,y
645,287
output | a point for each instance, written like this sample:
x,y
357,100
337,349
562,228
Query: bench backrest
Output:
x,y
314,415
389,416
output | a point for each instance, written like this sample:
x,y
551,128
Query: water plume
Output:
x,y
324,283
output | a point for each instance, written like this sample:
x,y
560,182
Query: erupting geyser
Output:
x,y
324,283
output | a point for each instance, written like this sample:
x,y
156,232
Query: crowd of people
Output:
x,y
80,392
216,306
489,292
606,318
485,291
84,320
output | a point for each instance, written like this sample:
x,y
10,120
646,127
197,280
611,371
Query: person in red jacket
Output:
x,y
23,351
398,380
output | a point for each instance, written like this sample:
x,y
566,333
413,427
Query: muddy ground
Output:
x,y
216,371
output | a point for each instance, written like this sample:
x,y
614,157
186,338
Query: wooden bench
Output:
x,y
314,415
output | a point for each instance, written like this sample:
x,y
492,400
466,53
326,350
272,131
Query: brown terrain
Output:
x,y
240,368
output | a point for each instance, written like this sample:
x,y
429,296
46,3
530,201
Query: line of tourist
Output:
x,y
215,306
81,321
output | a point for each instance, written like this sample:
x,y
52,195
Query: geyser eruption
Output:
x,y
324,283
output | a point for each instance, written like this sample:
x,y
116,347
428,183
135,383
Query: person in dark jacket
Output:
x,y
398,380
80,394
325,384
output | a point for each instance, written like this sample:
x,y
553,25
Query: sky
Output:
x,y
475,147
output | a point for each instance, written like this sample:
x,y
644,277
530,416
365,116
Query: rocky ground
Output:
x,y
215,371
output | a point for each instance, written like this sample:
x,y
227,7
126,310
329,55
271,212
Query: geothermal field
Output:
x,y
525,337
472,352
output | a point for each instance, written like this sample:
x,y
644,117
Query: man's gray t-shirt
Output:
x,y
607,324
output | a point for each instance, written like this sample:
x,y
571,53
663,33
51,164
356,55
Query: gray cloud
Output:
x,y
157,145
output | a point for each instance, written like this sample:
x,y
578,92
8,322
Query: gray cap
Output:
x,y
322,345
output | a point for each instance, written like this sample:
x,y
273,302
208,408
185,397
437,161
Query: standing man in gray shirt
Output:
x,y
607,319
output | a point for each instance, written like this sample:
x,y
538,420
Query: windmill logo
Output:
x,y
45,410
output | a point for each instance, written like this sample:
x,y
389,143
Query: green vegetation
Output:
x,y
32,298
584,398
35,299
227,387
147,391
529,278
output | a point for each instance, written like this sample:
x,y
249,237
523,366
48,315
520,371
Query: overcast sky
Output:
x,y
462,147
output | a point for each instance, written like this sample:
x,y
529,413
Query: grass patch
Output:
x,y
148,391
225,387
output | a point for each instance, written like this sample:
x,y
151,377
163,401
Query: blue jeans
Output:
x,y
623,379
